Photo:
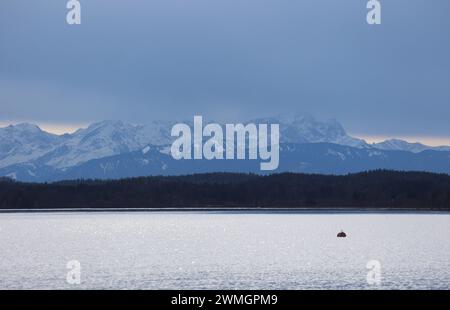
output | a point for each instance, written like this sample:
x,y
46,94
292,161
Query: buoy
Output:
x,y
341,234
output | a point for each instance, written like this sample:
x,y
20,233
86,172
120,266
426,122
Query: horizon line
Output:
x,y
70,128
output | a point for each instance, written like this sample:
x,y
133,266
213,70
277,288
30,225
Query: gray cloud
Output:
x,y
226,59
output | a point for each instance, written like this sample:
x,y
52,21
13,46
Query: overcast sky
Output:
x,y
229,60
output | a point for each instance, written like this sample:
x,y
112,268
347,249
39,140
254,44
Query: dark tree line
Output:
x,y
376,189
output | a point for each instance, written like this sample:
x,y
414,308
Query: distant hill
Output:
x,y
376,189
323,158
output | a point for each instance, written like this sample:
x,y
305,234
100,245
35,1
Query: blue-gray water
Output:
x,y
223,250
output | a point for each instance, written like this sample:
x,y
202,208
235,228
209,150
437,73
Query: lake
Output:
x,y
224,250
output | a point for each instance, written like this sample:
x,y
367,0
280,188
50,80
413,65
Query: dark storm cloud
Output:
x,y
233,59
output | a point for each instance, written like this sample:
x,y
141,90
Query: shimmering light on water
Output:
x,y
223,250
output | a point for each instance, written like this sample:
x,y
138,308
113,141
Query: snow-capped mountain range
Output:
x,y
116,149
27,143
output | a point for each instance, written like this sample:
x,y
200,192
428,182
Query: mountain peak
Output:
x,y
402,145
108,123
304,128
28,127
295,118
24,142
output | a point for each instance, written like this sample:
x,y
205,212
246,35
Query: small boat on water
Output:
x,y
342,234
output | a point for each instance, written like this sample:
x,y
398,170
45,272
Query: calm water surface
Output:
x,y
223,250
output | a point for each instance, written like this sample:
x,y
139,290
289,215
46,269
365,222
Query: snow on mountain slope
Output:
x,y
98,140
25,142
155,133
401,145
107,138
306,129
324,158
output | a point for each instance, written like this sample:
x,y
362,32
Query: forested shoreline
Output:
x,y
375,189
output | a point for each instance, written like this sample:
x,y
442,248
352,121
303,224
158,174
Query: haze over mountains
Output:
x,y
114,149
